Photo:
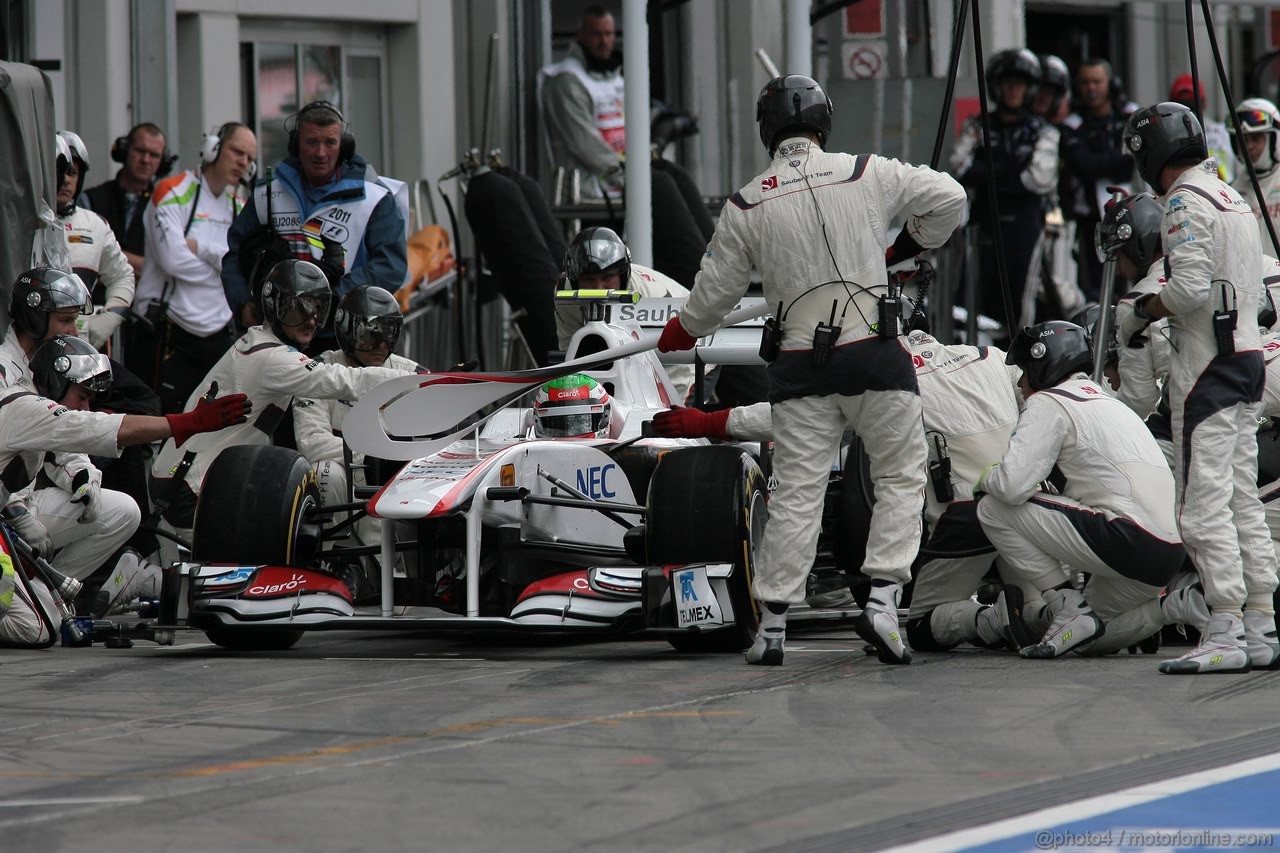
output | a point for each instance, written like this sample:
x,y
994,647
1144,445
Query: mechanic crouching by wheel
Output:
x,y
834,368
67,373
1114,519
367,323
267,364
969,400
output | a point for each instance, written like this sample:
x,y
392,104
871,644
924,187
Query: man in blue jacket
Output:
x,y
322,204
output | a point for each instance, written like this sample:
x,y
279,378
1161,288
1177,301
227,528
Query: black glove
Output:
x,y
261,249
333,262
903,248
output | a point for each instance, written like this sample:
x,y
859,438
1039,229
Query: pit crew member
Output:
x,y
267,364
1216,378
834,368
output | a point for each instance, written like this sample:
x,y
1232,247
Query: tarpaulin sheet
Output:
x,y
27,175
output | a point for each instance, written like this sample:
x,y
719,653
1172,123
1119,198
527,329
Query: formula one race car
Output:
x,y
488,527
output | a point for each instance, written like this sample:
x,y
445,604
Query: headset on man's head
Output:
x,y
346,149
211,148
120,148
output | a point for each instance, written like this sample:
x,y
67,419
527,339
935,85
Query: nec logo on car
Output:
x,y
594,481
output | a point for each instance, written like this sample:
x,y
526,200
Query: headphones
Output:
x,y
211,148
346,149
120,148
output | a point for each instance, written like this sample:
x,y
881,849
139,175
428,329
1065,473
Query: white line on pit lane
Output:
x,y
67,801
1090,807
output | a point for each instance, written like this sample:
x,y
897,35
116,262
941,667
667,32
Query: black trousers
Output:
x,y
185,361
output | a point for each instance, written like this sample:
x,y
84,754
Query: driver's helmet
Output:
x,y
367,316
573,406
62,361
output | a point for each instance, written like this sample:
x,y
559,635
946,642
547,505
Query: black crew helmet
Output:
x,y
792,102
1014,62
293,292
1131,226
1087,319
62,361
595,250
367,316
41,291
1054,73
1159,135
1050,352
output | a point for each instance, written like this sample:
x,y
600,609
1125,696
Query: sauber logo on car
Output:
x,y
769,183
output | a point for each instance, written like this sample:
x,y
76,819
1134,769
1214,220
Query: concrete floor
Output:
x,y
353,742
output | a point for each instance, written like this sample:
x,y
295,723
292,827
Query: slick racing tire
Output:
x,y
707,505
254,509
253,640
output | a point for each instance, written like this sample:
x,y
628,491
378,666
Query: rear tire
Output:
x,y
707,505
253,508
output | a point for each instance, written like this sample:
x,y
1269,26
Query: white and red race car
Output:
x,y
486,527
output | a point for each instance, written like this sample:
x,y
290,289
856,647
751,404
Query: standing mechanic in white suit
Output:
x,y
267,364
1114,518
837,365
96,255
1216,377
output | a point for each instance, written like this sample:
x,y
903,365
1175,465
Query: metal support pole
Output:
x,y
473,561
799,55
1106,315
388,565
635,70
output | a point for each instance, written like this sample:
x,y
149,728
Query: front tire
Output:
x,y
254,508
707,505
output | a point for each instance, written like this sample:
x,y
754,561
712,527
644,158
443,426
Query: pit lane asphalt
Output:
x,y
358,742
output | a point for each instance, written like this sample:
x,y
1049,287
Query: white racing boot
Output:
x,y
1184,604
1001,625
1074,624
1222,649
878,624
767,650
1260,636
132,577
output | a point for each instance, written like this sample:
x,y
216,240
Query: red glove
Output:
x,y
692,423
904,248
674,337
209,416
